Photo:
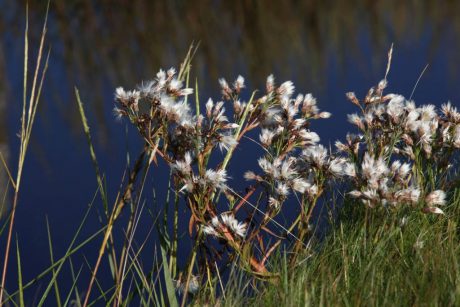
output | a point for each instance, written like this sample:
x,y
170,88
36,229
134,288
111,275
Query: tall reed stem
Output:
x,y
27,121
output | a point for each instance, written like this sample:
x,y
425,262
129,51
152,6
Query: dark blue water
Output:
x,y
326,48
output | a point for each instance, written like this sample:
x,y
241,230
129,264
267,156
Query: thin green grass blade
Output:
x,y
53,280
108,236
59,267
229,154
74,287
20,286
70,249
26,130
137,291
10,299
102,296
152,282
50,244
26,61
34,94
170,289
39,91
140,273
5,166
162,298
142,293
96,281
197,98
92,152
175,240
62,260
7,220
135,263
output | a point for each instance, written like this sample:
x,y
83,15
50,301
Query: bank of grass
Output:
x,y
394,260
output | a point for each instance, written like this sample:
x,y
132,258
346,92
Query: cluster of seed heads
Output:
x,y
397,144
384,163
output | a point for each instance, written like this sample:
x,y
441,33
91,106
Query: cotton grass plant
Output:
x,y
404,154
401,171
397,221
294,163
384,166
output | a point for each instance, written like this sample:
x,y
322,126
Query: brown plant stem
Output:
x,y
8,244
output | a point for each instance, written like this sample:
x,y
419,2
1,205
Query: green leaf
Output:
x,y
170,289
20,287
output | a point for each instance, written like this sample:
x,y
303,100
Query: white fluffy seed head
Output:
x,y
336,167
355,194
395,107
457,136
286,89
349,169
316,154
210,231
270,84
227,142
282,189
238,228
217,178
266,137
436,198
249,175
308,136
239,83
209,106
300,185
409,195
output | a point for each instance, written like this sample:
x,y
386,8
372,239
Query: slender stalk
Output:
x,y
190,266
237,135
131,229
8,243
113,217
175,239
27,121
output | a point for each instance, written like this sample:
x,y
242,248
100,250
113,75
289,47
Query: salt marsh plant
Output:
x,y
293,163
403,156
400,166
